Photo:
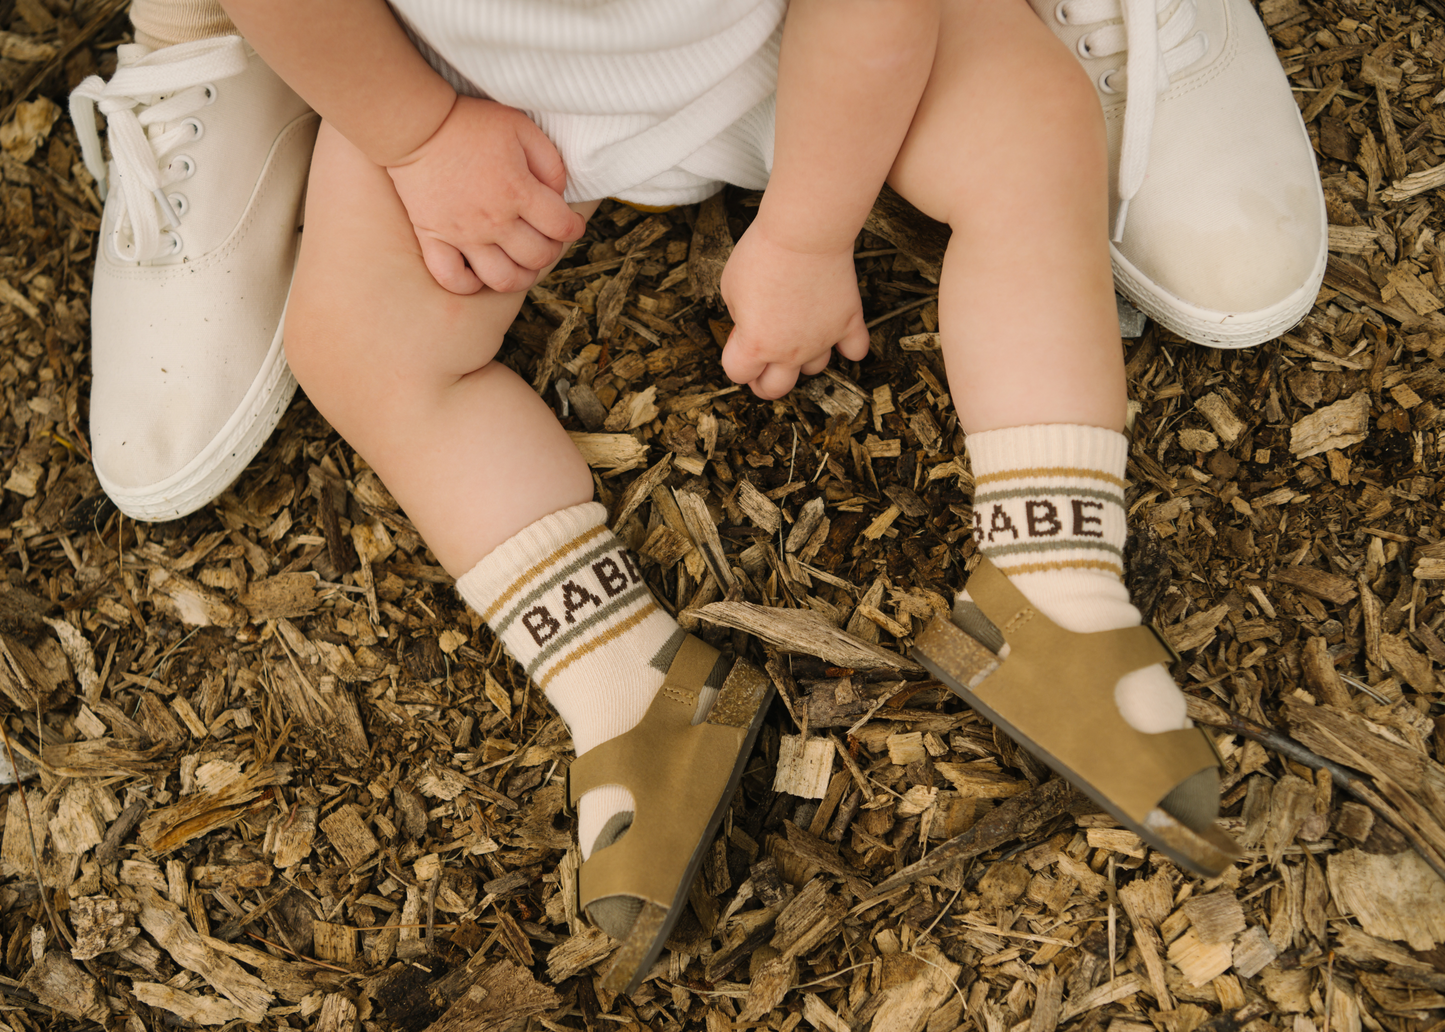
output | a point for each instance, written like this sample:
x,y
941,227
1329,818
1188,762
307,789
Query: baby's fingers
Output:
x,y
499,271
854,344
741,363
447,266
818,364
775,381
528,248
543,159
548,214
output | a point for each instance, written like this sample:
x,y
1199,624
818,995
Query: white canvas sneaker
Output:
x,y
203,198
1215,202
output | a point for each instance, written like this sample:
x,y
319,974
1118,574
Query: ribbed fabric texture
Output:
x,y
653,101
1048,511
164,23
568,602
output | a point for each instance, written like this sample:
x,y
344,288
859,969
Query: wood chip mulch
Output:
x,y
276,774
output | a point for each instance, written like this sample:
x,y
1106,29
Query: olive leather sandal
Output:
x,y
682,777
1054,695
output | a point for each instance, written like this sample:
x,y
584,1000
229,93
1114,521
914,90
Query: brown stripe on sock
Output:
x,y
1035,472
526,578
597,642
1063,564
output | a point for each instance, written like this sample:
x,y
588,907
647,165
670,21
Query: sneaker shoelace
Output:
x,y
146,106
1159,47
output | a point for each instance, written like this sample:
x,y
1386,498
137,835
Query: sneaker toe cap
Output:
x,y
1238,255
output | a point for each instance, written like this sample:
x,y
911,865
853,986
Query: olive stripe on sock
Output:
x,y
1036,472
585,559
596,643
523,580
997,552
551,646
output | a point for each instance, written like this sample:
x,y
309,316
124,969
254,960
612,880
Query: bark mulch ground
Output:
x,y
278,775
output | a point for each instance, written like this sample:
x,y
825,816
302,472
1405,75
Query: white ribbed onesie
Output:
x,y
651,101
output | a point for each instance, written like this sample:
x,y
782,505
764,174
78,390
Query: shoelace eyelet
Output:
x,y
175,241
179,204
1059,14
1082,46
211,92
1104,85
197,129
187,164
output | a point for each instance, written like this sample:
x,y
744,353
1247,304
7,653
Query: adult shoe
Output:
x,y
203,201
1216,211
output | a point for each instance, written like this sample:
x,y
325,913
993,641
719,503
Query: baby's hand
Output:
x,y
790,310
484,195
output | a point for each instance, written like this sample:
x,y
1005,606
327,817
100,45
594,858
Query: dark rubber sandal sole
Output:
x,y
958,660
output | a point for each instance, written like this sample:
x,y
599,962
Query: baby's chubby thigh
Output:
x,y
370,334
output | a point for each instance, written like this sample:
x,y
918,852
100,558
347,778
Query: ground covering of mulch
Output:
x,y
278,776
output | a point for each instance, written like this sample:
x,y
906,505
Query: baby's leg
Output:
x,y
405,371
1008,147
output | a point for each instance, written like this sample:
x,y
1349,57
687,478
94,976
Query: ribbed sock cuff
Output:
x,y
487,586
992,452
164,23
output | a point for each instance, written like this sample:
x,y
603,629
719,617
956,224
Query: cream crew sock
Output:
x,y
1048,511
568,602
164,23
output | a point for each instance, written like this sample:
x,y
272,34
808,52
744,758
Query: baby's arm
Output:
x,y
480,182
849,78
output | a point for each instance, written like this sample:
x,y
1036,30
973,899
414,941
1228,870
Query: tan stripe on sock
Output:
x,y
1035,472
1065,564
531,575
597,642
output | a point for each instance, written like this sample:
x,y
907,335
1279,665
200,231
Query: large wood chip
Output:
x,y
503,996
219,804
610,453
1197,631
712,243
1110,992
1200,962
1392,896
191,603
102,925
1216,916
167,924
349,835
1331,587
1334,427
1226,424
804,768
202,1010
1253,952
285,595
804,632
809,919
58,982
759,508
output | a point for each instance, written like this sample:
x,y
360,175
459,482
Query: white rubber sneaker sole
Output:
x,y
217,467
1212,328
